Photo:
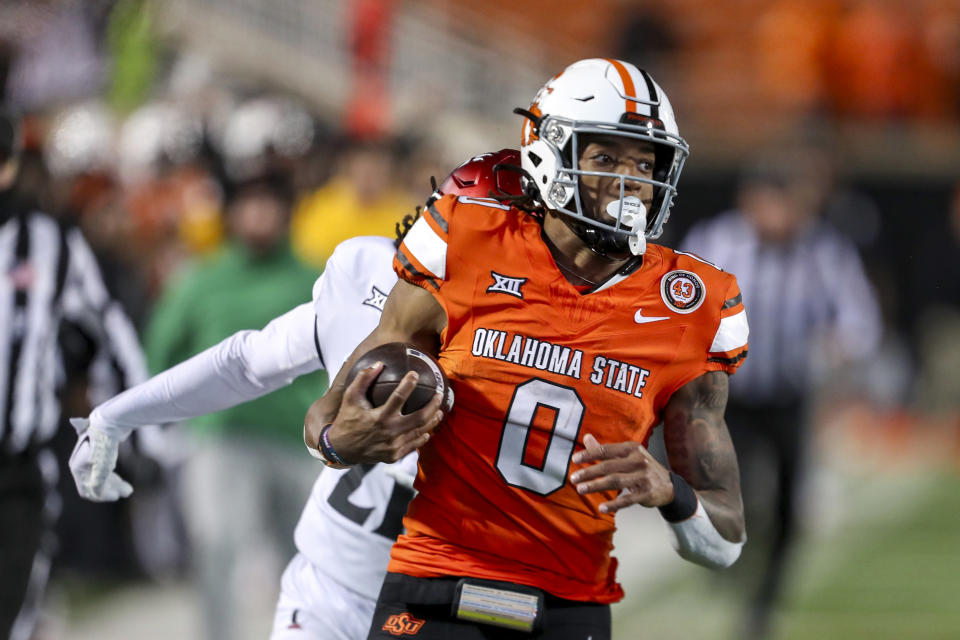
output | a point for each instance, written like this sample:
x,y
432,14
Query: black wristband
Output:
x,y
684,502
327,449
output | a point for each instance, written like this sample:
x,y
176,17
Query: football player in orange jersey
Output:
x,y
566,338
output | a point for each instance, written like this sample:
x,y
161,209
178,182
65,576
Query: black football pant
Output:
x,y
769,439
425,604
27,514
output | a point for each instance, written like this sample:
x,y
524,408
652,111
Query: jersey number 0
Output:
x,y
529,398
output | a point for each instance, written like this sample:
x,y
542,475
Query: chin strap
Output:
x,y
603,243
528,200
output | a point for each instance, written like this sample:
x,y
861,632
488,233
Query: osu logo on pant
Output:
x,y
402,624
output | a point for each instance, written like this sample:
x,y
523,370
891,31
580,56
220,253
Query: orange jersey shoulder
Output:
x,y
724,322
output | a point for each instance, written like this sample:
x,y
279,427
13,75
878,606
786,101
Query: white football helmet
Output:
x,y
611,97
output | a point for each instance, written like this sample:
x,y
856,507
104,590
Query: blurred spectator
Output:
x,y
7,52
875,66
361,199
418,160
246,476
791,78
646,38
940,41
368,109
78,151
51,287
935,301
937,276
58,57
811,308
96,201
270,133
133,52
169,190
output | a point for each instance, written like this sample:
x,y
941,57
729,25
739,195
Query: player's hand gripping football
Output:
x,y
364,433
626,467
93,460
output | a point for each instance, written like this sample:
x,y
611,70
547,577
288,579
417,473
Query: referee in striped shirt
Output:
x,y
48,277
811,309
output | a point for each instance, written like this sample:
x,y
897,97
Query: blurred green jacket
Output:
x,y
213,299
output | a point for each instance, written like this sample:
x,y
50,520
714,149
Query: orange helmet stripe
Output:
x,y
627,81
527,133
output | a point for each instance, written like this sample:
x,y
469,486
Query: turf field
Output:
x,y
882,562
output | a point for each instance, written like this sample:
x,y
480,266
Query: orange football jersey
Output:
x,y
536,366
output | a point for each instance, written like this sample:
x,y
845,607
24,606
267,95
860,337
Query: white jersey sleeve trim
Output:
x,y
427,247
731,334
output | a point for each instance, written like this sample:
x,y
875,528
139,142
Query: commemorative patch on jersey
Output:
x,y
682,291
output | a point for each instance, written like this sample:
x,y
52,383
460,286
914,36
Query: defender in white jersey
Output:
x,y
351,517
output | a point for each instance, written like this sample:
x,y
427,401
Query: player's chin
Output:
x,y
598,213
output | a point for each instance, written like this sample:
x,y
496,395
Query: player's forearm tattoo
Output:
x,y
699,448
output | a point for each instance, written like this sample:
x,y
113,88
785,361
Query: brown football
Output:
x,y
398,358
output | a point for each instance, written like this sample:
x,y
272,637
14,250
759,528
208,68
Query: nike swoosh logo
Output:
x,y
639,318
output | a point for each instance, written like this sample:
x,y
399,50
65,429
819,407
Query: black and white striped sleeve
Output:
x,y
119,362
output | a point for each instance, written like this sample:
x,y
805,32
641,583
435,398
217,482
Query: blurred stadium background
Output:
x,y
142,113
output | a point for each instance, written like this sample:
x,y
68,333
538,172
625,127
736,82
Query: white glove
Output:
x,y
93,460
